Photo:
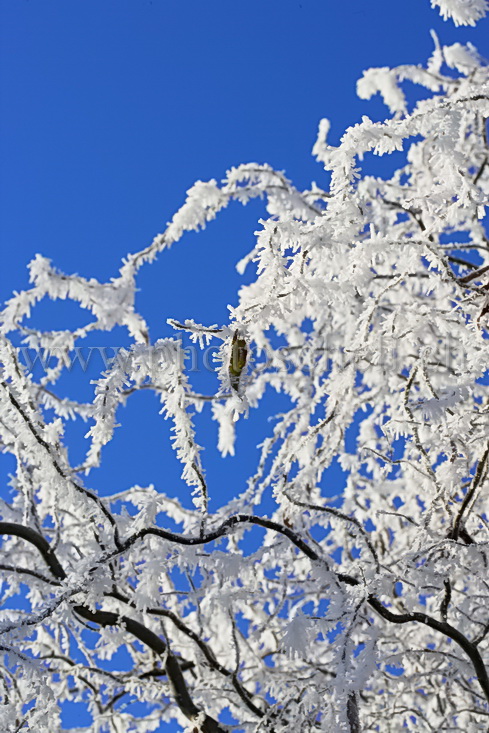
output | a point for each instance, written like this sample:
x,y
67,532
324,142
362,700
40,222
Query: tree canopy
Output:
x,y
369,314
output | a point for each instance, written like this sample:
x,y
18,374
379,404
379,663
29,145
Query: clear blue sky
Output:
x,y
111,109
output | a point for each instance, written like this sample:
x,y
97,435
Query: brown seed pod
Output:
x,y
237,360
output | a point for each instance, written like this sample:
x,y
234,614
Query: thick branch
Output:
x,y
172,666
444,628
223,530
135,628
204,648
39,542
108,618
352,713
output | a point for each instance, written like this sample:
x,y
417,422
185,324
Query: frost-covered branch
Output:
x,y
289,605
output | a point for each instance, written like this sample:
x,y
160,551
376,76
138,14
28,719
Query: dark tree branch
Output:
x,y
352,713
204,648
27,571
154,642
478,476
444,628
446,599
39,542
224,529
172,666
109,618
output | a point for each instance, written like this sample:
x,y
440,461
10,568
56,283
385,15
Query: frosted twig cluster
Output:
x,y
368,612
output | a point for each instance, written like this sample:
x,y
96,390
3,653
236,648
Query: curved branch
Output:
x,y
149,638
109,618
339,515
172,666
27,571
223,530
204,648
444,628
39,542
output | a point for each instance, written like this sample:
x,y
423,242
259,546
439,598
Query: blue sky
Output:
x,y
111,109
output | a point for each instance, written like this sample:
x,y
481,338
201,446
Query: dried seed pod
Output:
x,y
237,361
